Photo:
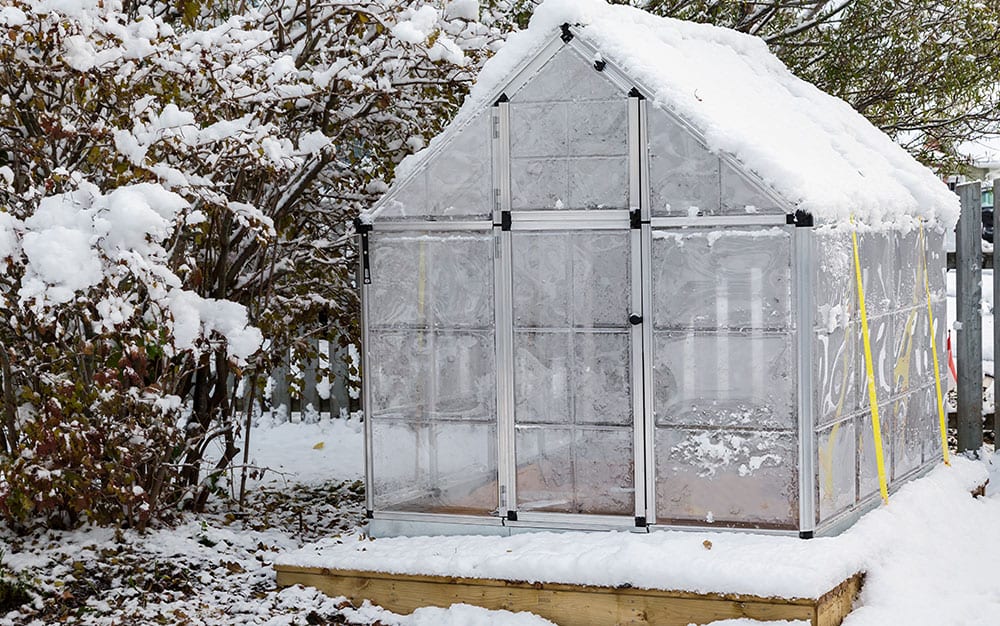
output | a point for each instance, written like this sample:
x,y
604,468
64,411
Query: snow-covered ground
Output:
x,y
928,554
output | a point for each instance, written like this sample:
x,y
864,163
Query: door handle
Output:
x,y
634,319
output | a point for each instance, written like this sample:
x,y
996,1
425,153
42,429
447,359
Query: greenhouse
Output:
x,y
619,291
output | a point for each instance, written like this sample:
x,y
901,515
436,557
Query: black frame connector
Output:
x,y
567,35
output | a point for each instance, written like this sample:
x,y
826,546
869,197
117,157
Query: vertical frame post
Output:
x,y
637,316
996,315
802,246
647,315
969,324
366,393
503,306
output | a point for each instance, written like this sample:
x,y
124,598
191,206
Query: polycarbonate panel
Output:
x,y
907,438
722,279
725,379
572,371
567,76
421,374
914,364
726,477
434,467
455,182
834,290
741,197
574,279
837,377
569,146
430,280
880,333
927,423
683,174
836,457
868,482
877,254
908,273
575,470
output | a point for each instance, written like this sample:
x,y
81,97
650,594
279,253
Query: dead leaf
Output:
x,y
707,544
318,446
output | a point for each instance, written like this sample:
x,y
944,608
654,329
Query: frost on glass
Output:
x,y
868,482
434,467
723,380
569,140
602,389
543,376
838,380
427,280
683,174
420,375
908,274
741,197
722,279
457,181
834,289
880,333
726,477
835,455
909,418
575,470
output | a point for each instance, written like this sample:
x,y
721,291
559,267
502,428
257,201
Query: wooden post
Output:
x,y
996,319
310,394
279,392
969,326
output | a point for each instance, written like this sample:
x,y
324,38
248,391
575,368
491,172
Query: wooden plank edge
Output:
x,y
833,607
520,584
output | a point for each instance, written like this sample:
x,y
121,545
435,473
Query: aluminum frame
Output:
x,y
503,315
594,219
637,345
719,220
417,225
366,393
803,269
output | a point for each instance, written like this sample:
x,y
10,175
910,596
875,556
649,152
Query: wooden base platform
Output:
x,y
571,605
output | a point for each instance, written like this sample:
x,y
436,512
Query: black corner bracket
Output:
x,y
369,514
361,226
635,93
805,534
503,98
800,218
505,222
599,65
512,516
567,36
640,521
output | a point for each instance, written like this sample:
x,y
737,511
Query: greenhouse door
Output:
x,y
573,352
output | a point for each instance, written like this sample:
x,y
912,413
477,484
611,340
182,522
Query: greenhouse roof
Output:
x,y
810,148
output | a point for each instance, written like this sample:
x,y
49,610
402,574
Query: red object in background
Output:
x,y
951,360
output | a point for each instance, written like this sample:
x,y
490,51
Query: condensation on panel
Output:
x,y
725,379
908,273
838,376
456,182
543,280
908,418
868,482
567,76
876,251
928,422
441,280
726,476
880,333
683,174
434,467
418,375
914,363
571,279
722,279
601,380
569,146
741,197
834,290
581,470
543,377
936,264
835,454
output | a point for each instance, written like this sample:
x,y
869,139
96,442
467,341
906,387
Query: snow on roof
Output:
x,y
811,148
984,152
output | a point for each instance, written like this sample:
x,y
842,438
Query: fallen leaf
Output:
x,y
318,446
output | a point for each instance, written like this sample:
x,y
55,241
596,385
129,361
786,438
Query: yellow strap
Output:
x,y
937,369
872,397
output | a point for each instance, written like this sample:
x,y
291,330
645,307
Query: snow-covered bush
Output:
x,y
176,184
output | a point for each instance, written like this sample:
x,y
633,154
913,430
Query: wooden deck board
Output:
x,y
571,605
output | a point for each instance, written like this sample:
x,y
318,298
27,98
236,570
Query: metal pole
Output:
x,y
996,334
969,324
